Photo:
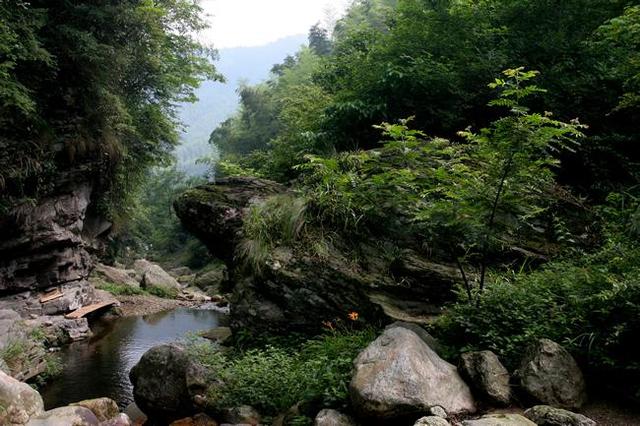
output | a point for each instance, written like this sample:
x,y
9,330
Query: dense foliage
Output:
x,y
153,230
277,377
89,89
393,59
528,186
589,302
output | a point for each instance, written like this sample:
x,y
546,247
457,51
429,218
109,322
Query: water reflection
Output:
x,y
100,367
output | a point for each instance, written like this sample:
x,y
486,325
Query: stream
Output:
x,y
100,366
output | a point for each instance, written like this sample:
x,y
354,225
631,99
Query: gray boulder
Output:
x,y
549,374
399,375
18,400
161,382
65,416
333,418
432,421
117,276
487,376
154,277
499,420
543,415
421,332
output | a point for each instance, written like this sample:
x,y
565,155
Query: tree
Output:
x,y
319,40
93,85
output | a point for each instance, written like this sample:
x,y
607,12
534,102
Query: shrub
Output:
x,y
274,378
590,304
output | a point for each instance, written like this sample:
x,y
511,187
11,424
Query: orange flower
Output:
x,y
353,316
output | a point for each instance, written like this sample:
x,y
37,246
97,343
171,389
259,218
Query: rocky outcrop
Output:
x,y
297,288
42,246
543,415
18,401
215,213
499,420
329,417
549,374
398,376
487,376
44,250
166,383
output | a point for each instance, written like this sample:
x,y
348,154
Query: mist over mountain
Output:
x,y
218,101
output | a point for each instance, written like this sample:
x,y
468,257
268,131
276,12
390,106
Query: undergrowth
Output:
x,y
273,378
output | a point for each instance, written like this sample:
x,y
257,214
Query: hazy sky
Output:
x,y
256,22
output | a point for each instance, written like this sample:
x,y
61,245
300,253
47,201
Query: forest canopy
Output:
x,y
387,60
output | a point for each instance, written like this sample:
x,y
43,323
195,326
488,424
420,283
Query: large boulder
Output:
x,y
112,275
18,401
487,376
499,420
103,408
156,278
165,381
329,417
543,415
65,416
549,374
398,375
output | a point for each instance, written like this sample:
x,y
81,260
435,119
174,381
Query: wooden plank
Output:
x,y
79,313
53,295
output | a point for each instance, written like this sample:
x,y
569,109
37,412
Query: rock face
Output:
x,y
398,375
487,375
43,246
328,417
296,288
44,249
500,420
549,374
19,401
154,277
164,382
543,415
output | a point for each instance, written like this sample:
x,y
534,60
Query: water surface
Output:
x,y
100,366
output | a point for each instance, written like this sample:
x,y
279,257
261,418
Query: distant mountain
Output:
x,y
218,101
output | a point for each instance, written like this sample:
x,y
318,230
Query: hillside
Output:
x,y
218,101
